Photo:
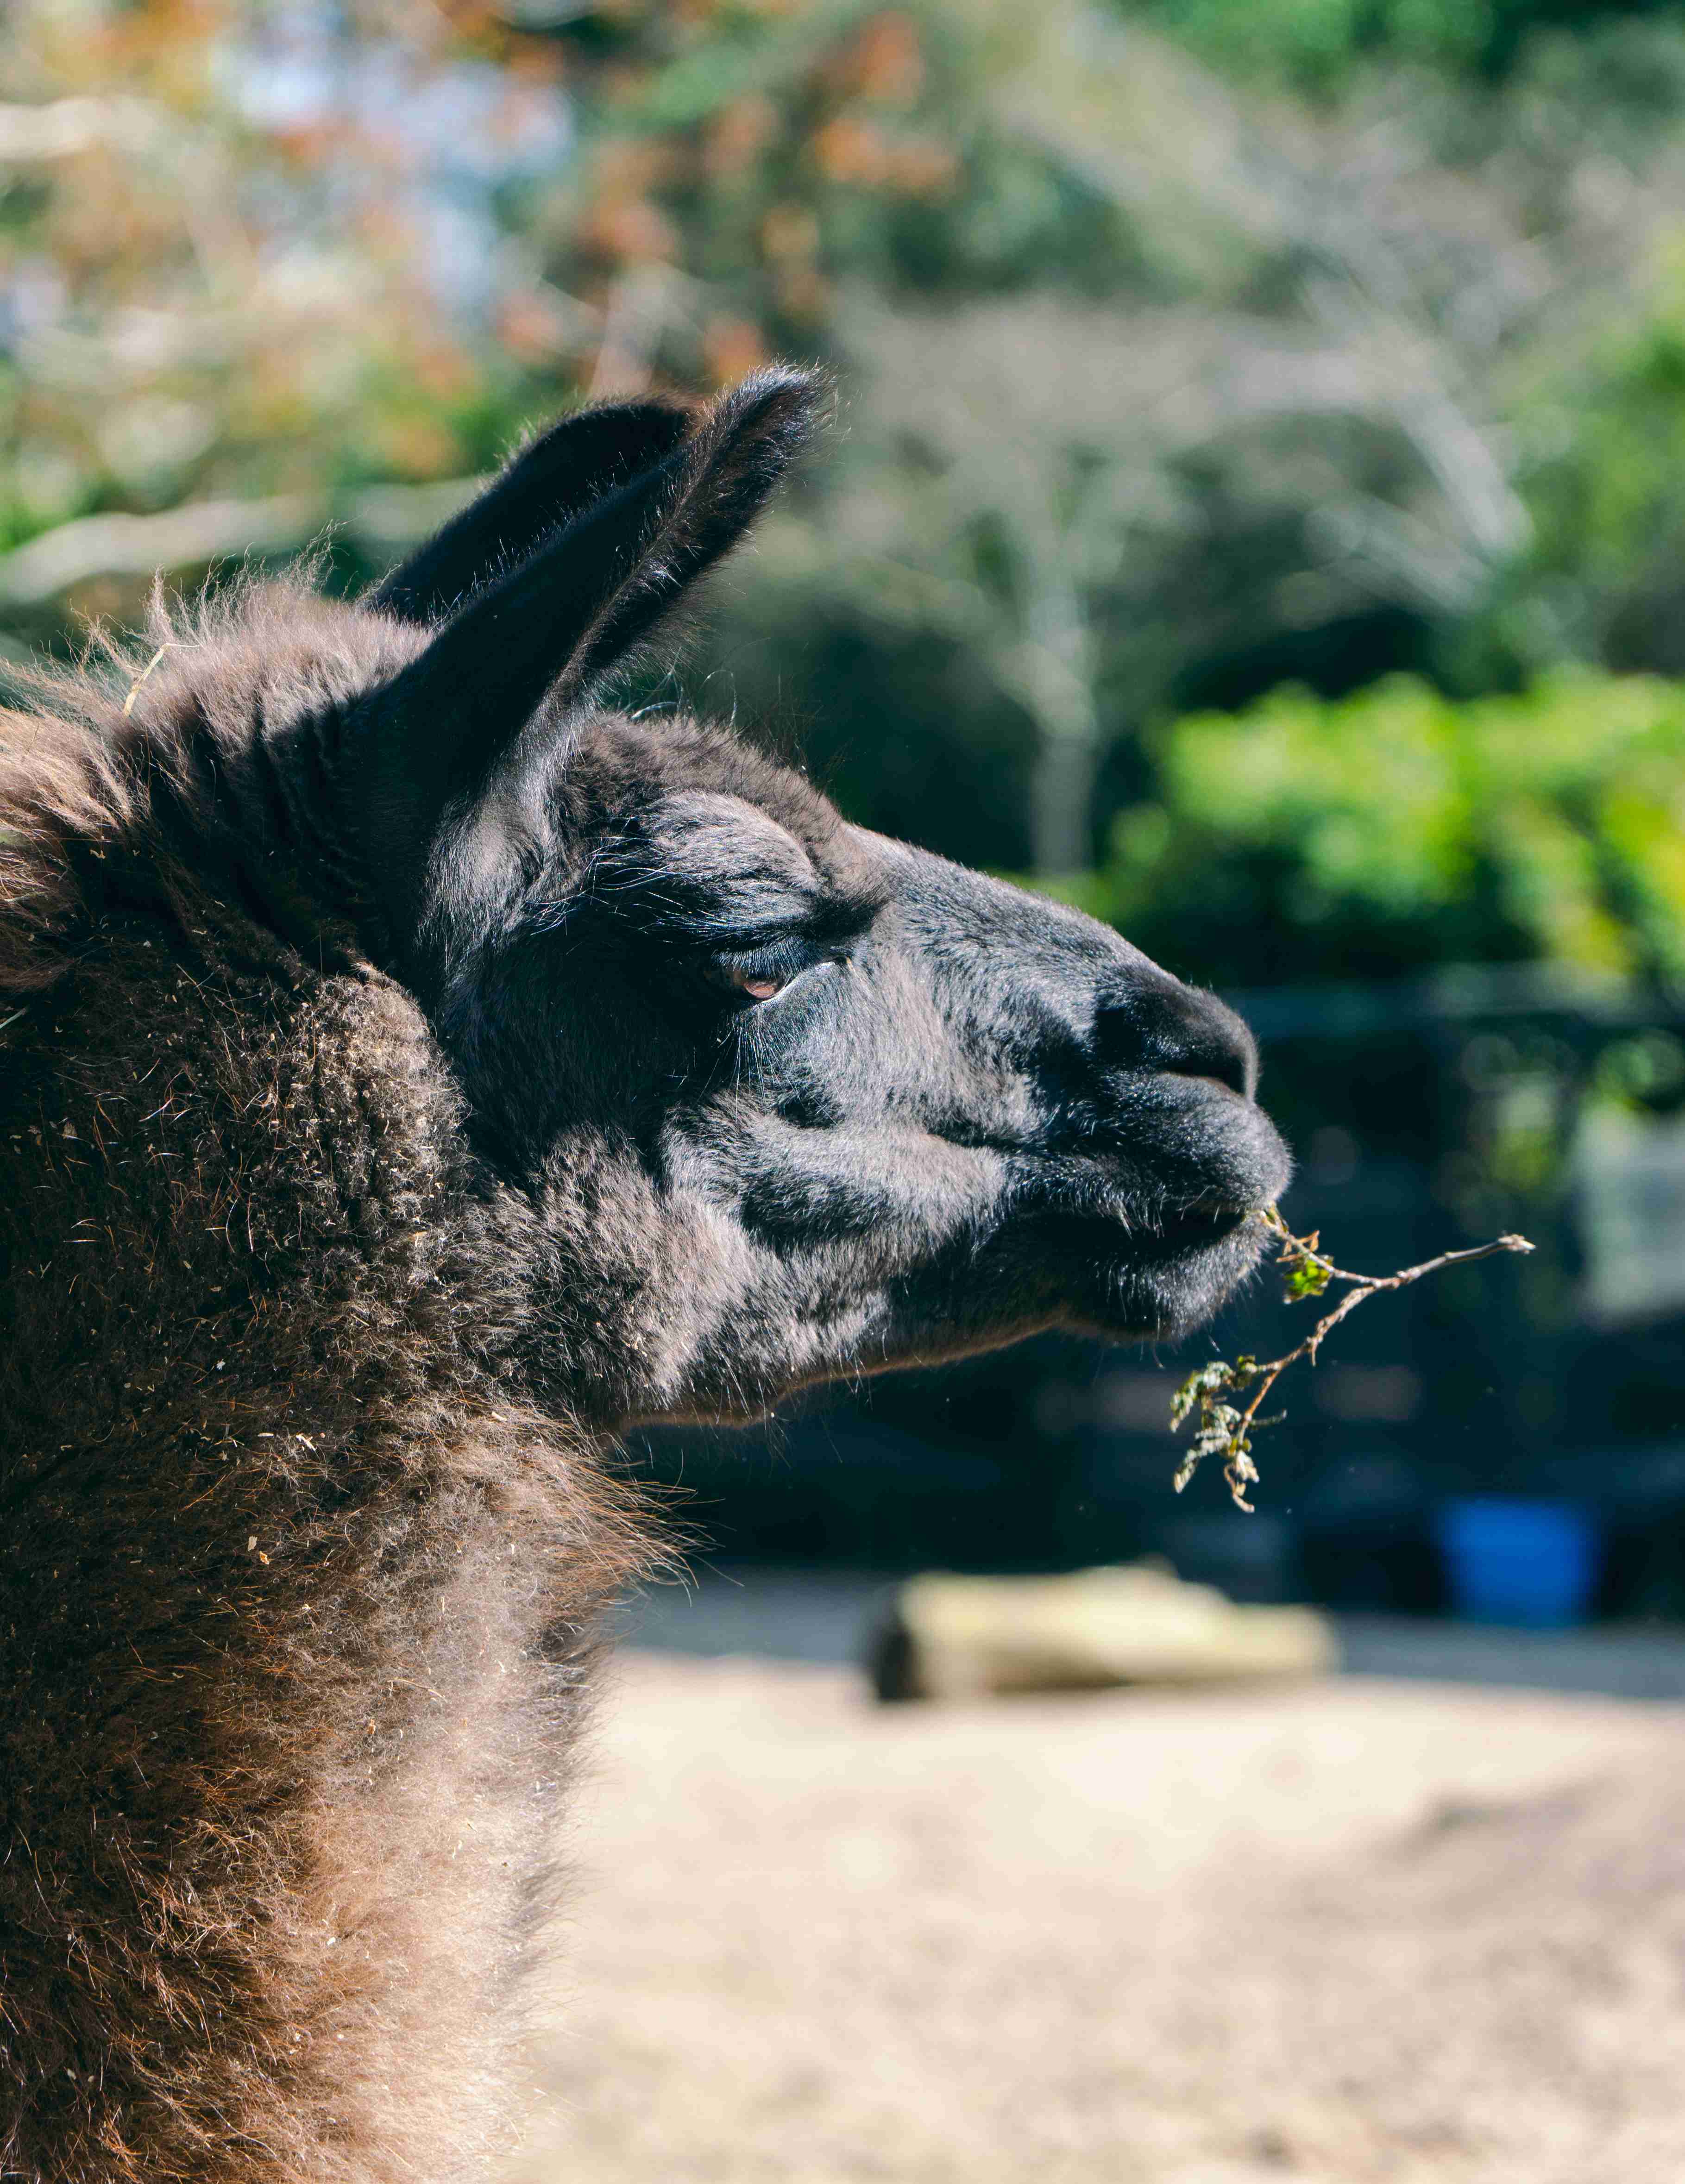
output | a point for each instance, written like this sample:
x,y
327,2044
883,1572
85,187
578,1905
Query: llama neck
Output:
x,y
300,1605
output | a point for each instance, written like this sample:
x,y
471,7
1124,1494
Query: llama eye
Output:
x,y
748,982
762,971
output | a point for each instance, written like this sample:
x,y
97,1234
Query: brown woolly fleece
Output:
x,y
295,1606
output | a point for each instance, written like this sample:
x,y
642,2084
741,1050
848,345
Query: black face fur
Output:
x,y
410,1070
862,1108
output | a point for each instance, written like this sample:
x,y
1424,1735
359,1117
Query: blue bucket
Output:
x,y
1519,1562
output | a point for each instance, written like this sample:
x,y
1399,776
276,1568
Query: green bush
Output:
x,y
1382,833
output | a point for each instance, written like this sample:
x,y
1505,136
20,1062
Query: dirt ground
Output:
x,y
1346,1931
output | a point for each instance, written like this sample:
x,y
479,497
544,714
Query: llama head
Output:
x,y
764,1099
793,1101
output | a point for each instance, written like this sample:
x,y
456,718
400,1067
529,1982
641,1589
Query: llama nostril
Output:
x,y
1222,1048
1173,1028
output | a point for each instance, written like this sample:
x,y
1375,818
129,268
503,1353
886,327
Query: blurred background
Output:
x,y
1258,515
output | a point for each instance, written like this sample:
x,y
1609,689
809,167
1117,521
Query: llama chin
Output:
x,y
412,1071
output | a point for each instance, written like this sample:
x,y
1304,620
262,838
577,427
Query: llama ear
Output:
x,y
577,462
735,460
437,738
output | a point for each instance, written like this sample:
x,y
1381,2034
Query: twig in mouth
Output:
x,y
1214,1395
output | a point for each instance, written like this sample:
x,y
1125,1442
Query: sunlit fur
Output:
x,y
355,1195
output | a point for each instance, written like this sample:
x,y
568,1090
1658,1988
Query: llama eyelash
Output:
x,y
776,968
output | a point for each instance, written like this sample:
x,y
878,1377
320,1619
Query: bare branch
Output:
x,y
1212,1396
63,127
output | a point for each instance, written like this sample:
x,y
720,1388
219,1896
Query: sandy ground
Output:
x,y
1351,1931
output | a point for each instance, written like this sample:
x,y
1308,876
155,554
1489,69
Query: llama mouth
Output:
x,y
1193,1226
1127,1241
1126,1278
1118,1225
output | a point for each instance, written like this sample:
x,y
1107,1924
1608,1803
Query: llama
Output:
x,y
415,1071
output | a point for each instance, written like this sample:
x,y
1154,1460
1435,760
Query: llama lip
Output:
x,y
1131,1281
1167,1238
1122,1236
1223,1162
1127,1209
1196,1224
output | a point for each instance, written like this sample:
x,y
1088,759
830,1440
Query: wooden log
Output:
x,y
965,1637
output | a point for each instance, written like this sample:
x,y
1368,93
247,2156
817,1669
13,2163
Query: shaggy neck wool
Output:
x,y
297,1605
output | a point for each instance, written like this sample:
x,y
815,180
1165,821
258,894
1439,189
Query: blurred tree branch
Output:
x,y
384,520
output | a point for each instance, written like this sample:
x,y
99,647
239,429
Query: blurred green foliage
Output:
x,y
1393,830
1319,44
